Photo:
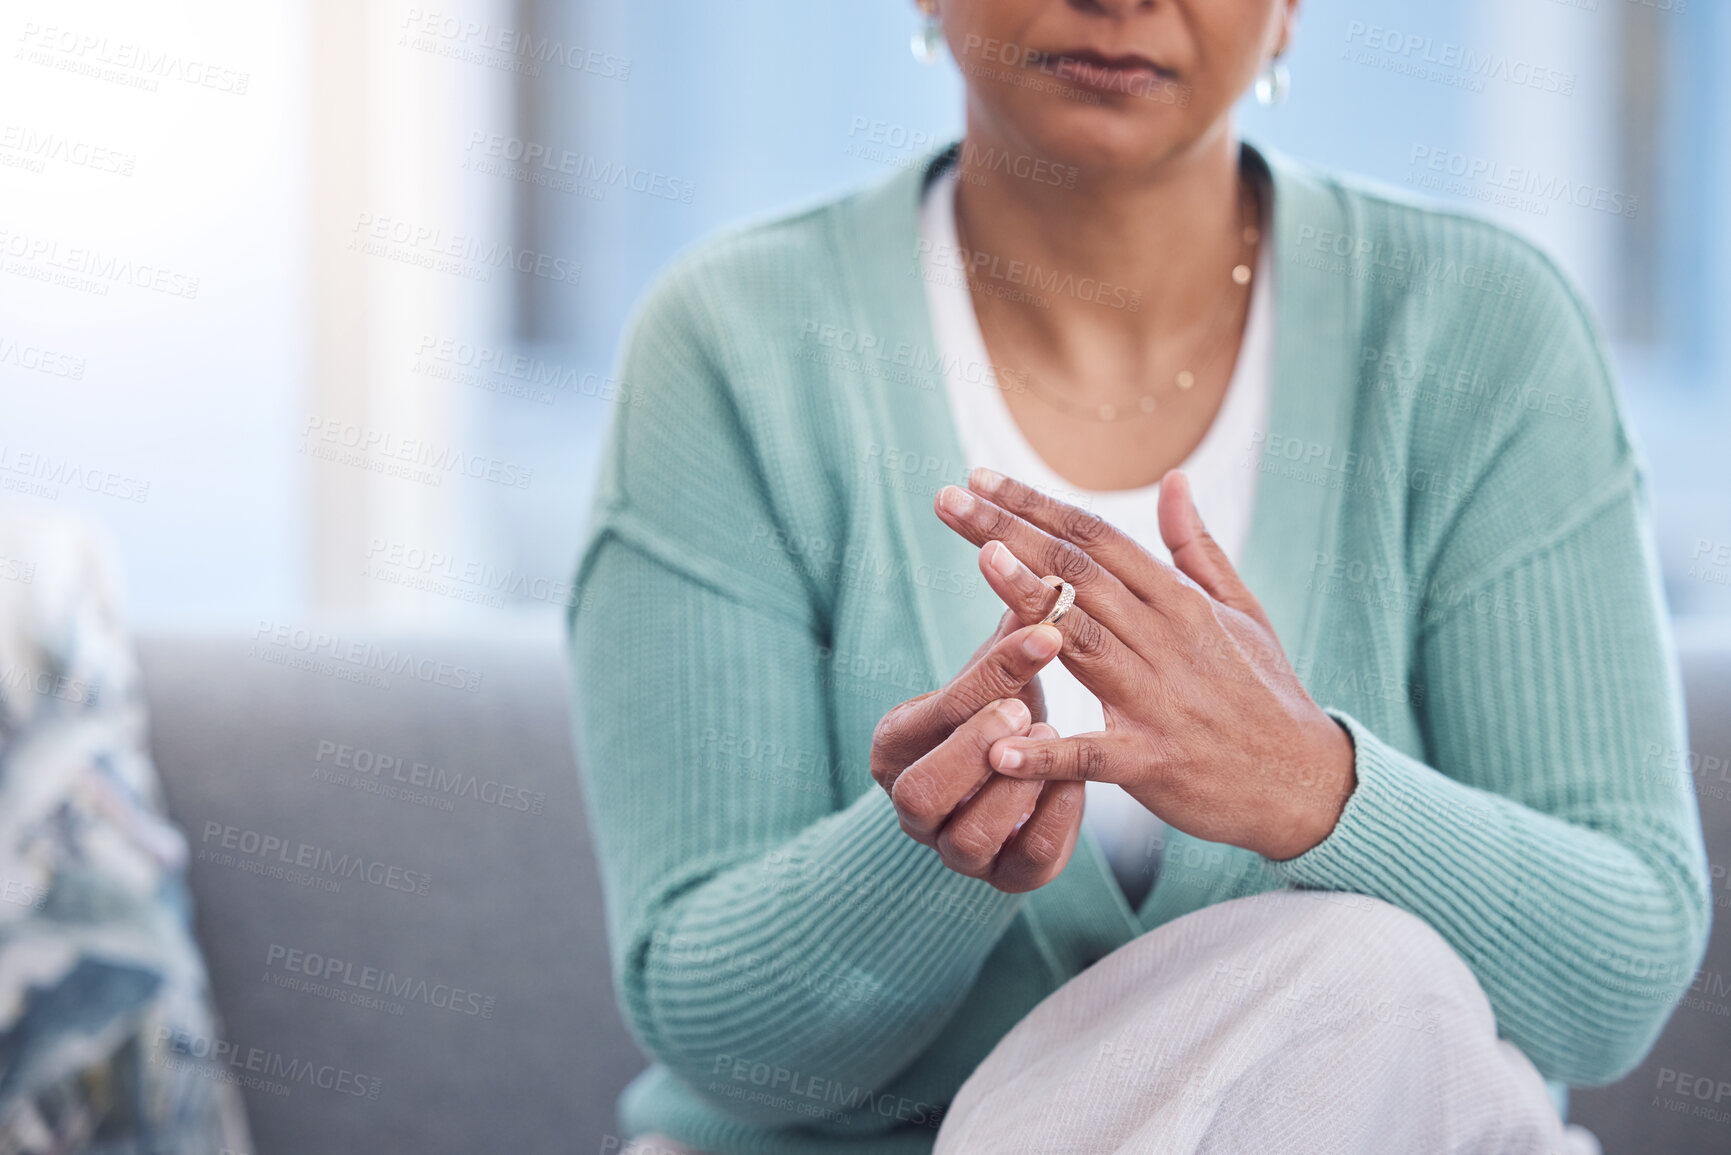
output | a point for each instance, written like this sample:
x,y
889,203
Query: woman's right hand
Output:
x,y
929,754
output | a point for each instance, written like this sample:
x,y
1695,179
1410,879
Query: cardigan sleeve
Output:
x,y
1549,838
753,917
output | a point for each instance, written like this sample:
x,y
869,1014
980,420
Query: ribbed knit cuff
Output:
x,y
904,900
1399,806
837,955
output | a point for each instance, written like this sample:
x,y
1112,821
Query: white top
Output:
x,y
1225,491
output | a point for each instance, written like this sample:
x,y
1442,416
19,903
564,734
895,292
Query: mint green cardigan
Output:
x,y
1451,539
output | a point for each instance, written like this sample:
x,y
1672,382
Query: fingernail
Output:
x,y
1042,642
1002,561
956,499
1009,758
1014,712
985,480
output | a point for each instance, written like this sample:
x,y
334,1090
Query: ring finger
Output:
x,y
1097,588
1100,661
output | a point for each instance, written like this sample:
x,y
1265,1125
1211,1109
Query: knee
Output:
x,y
1339,939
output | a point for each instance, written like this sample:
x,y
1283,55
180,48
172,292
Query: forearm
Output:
x,y
836,956
750,919
1540,840
1581,940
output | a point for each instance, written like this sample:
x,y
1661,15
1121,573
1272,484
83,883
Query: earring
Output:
x,y
1273,83
925,42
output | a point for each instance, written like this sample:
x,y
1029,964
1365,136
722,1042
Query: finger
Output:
x,y
977,829
1196,553
1142,573
999,817
1007,625
1037,852
912,729
1097,589
1004,672
1032,693
1100,660
1091,757
927,792
1037,730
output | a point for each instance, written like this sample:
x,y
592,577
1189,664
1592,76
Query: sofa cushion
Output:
x,y
394,885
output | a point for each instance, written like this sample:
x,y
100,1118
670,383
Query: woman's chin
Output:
x,y
1101,140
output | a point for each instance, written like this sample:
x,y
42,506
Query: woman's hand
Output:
x,y
1206,722
929,754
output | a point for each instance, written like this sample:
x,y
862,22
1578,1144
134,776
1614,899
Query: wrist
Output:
x,y
1325,784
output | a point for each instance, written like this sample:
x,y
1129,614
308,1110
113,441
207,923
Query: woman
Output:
x,y
1416,660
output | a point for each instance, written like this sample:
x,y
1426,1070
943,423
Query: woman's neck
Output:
x,y
1159,246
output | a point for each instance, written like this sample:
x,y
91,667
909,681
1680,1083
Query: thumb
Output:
x,y
1195,552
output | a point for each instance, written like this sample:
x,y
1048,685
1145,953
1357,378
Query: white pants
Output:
x,y
1292,1022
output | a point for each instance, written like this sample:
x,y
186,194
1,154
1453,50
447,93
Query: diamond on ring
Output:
x,y
1066,599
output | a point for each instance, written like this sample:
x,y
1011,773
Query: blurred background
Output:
x,y
256,256
312,306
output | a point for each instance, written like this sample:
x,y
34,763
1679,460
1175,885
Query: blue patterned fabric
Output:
x,y
101,983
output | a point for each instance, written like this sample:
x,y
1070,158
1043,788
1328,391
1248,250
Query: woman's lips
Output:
x,y
1100,72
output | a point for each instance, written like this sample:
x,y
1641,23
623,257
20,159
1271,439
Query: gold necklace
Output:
x,y
1185,378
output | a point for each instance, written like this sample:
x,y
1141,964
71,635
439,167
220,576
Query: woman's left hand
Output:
x,y
1207,725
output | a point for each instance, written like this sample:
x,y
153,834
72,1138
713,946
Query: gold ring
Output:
x,y
1066,599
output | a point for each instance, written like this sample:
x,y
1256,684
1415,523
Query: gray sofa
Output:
x,y
396,880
